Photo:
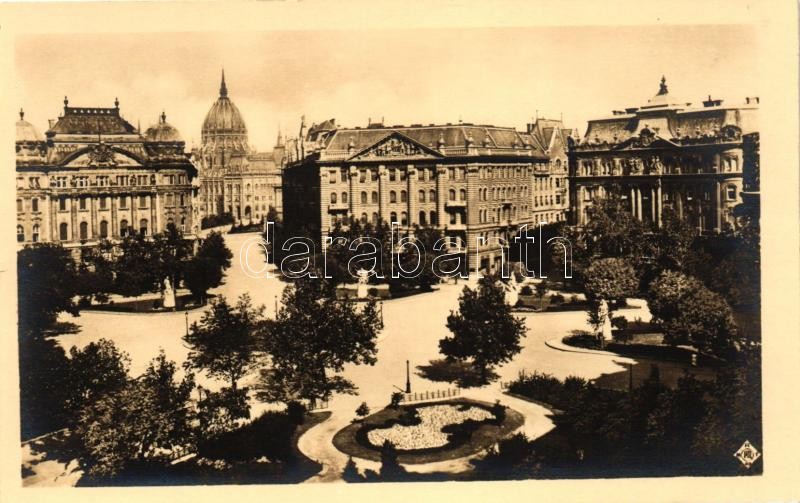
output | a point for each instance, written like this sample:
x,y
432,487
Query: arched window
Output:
x,y
374,218
422,196
123,228
463,194
403,196
182,200
374,197
363,197
393,217
143,227
333,197
20,234
344,197
452,218
392,196
434,220
35,235
83,230
404,218
422,218
63,231
432,196
364,217
103,229
35,204
183,224
452,194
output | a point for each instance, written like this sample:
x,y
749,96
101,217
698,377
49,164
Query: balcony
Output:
x,y
455,204
335,207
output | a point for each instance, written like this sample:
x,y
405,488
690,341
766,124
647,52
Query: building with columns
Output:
x,y
468,180
233,178
665,153
94,176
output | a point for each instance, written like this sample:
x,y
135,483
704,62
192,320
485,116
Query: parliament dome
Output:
x,y
224,117
163,132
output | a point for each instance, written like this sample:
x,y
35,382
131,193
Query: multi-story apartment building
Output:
x,y
551,183
94,176
468,180
665,154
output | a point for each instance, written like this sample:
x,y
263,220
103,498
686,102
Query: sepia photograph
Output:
x,y
302,254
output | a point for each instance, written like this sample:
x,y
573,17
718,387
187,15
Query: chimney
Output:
x,y
712,103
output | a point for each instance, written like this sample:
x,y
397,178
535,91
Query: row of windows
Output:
x,y
429,173
83,229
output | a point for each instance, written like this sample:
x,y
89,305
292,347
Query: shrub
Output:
x,y
581,339
296,412
573,299
499,411
373,292
526,290
362,410
619,322
268,435
395,399
557,299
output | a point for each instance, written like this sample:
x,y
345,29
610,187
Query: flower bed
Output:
x,y
428,432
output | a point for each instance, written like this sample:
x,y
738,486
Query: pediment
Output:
x,y
101,156
397,146
644,141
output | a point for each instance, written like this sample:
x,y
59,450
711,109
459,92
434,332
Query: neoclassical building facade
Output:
x,y
94,176
665,154
468,180
233,178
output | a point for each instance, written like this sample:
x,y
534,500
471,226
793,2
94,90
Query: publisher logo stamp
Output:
x,y
747,454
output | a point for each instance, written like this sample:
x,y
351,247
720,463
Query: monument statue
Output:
x,y
605,315
363,278
168,295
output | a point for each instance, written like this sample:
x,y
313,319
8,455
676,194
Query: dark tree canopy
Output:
x,y
484,330
223,343
46,285
313,337
95,370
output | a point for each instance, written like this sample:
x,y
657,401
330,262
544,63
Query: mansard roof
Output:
x,y
86,120
433,137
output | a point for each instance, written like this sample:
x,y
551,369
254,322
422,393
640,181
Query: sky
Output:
x,y
499,76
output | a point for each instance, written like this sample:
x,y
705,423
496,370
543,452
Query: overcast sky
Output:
x,y
488,76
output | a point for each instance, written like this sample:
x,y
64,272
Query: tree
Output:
x,y
391,469
97,369
689,313
541,291
134,273
213,247
46,285
610,279
43,394
311,340
484,330
200,274
223,343
131,424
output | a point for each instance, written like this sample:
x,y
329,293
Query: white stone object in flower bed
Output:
x,y
428,433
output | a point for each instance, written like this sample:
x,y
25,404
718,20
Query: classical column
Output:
x,y
659,204
114,231
73,213
354,201
413,199
441,196
633,201
581,190
718,208
653,204
639,203
383,193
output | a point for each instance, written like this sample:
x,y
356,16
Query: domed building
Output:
x,y
93,176
234,179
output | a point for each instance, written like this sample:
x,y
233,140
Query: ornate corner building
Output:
x,y
666,154
94,176
233,178
468,180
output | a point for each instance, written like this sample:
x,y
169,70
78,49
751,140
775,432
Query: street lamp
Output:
x,y
276,306
381,304
187,321
408,379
